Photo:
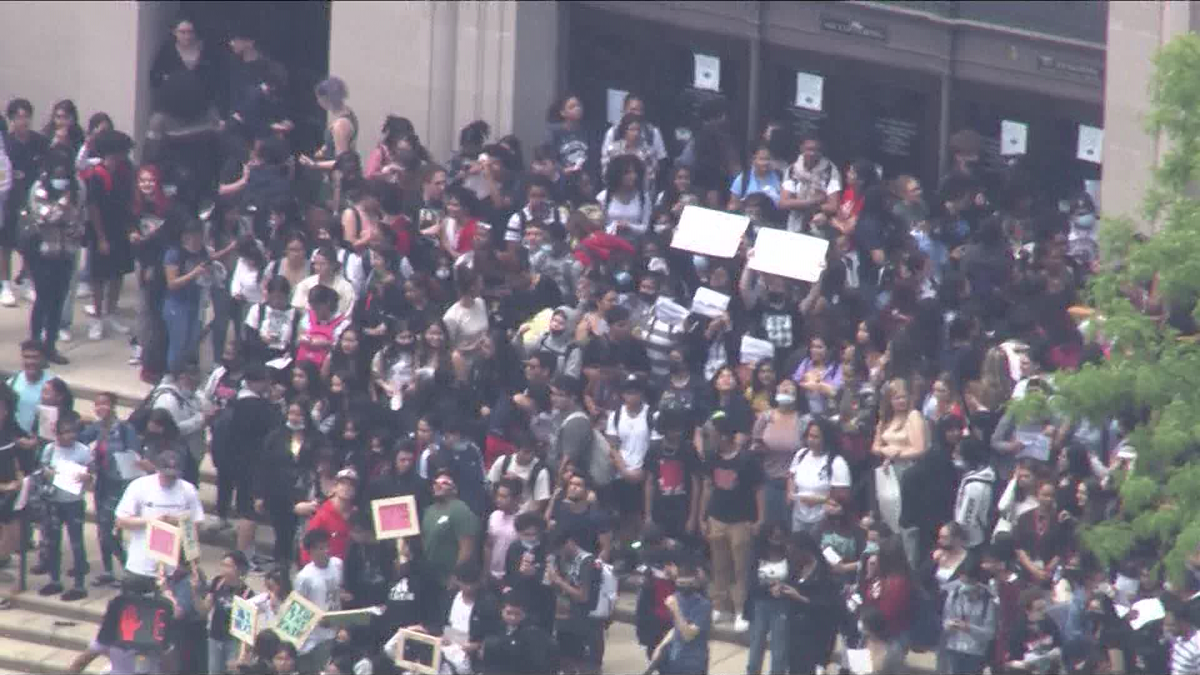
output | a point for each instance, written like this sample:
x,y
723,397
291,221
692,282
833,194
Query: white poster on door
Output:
x,y
708,72
809,90
1091,144
615,101
1014,138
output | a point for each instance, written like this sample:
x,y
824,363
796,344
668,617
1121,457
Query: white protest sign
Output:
x,y
707,73
710,303
1014,137
614,102
809,91
789,254
1091,144
670,312
709,232
754,350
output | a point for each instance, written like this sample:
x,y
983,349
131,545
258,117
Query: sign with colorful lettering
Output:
x,y
163,541
296,619
190,539
243,620
395,517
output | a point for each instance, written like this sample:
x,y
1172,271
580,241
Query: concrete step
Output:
x,y
20,658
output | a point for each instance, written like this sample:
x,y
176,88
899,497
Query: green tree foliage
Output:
x,y
1152,373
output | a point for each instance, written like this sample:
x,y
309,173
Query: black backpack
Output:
x,y
137,418
538,466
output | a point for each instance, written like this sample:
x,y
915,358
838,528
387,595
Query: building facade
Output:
x,y
886,81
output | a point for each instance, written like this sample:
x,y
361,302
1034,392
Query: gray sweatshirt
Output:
x,y
977,607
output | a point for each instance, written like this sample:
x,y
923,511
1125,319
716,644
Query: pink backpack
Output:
x,y
319,330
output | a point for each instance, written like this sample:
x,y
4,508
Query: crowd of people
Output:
x,y
489,335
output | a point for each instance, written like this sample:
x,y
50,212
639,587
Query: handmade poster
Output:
x,y
709,232
809,90
127,464
708,72
137,623
858,661
350,617
1091,144
710,303
789,254
243,620
831,556
68,476
190,539
615,101
754,350
297,618
417,652
670,312
395,517
1036,445
47,421
1014,137
163,541
1143,612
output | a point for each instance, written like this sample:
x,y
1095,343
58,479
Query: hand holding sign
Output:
x,y
789,254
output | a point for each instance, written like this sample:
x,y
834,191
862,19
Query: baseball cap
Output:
x,y
347,474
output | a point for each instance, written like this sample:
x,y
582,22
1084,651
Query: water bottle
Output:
x,y
550,562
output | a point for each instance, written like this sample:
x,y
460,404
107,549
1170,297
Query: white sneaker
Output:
x,y
740,624
96,330
84,290
116,326
90,310
718,616
135,359
64,335
6,296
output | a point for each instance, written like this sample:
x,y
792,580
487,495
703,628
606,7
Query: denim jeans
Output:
x,y
108,495
69,514
220,654
770,620
68,311
961,662
222,305
183,329
51,279
778,511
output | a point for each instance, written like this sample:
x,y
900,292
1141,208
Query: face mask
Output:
x,y
547,248
678,367
1086,221
443,273
659,228
529,544
295,426
785,400
871,548
60,183
775,297
700,262
623,278
960,464
648,298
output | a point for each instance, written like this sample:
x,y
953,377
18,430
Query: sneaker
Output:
x,y
84,290
6,296
90,310
718,616
57,358
740,624
64,335
106,579
52,588
135,358
77,593
96,330
116,326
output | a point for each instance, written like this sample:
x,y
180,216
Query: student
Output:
x,y
575,575
65,505
126,661
320,582
333,517
1035,644
160,496
969,622
525,569
522,647
319,328
27,384
501,526
684,649
217,603
449,529
117,449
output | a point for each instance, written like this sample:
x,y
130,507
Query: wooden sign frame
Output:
x,y
162,528
432,668
241,604
296,599
379,506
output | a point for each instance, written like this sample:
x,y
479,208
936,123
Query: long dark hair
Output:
x,y
74,131
617,168
56,159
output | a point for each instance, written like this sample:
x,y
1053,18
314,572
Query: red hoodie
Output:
x,y
328,518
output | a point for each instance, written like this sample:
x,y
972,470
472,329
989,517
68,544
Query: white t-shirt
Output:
x,y
809,478
147,498
538,492
502,533
245,282
466,326
322,587
635,212
633,433
274,326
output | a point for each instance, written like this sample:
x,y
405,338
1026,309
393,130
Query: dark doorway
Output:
x,y
296,34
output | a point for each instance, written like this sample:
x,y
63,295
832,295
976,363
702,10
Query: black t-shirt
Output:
x,y
692,399
672,471
734,483
26,157
222,607
738,410
591,523
605,353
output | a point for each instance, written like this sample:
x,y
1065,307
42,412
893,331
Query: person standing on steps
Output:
x,y
110,214
159,496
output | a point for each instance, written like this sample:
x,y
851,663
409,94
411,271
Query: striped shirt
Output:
x,y
1185,656
660,338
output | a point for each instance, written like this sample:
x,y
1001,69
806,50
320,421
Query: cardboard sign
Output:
x,y
710,303
350,617
296,619
47,421
395,517
789,254
707,72
137,623
1091,144
670,312
190,540
809,91
754,350
163,542
418,652
243,620
709,232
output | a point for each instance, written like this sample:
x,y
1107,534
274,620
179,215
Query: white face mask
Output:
x,y
295,426
785,400
960,464
60,183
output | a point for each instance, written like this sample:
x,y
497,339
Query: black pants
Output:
x,y
51,280
70,515
283,520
